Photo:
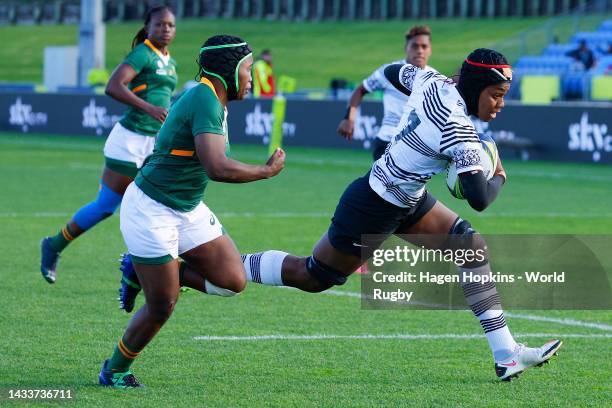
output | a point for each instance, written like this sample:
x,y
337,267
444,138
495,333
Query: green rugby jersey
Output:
x,y
173,174
154,82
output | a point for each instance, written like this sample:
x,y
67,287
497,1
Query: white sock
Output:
x,y
500,339
264,267
484,301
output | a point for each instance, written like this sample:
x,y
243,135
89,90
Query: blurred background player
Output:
x,y
435,129
418,51
144,81
263,82
163,215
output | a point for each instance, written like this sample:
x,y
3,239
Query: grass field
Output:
x,y
57,336
311,52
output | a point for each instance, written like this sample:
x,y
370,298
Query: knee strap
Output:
x,y
462,227
108,200
102,207
462,236
324,274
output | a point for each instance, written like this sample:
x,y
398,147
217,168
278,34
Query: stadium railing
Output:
x,y
67,11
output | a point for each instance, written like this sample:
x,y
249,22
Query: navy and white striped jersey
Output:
x,y
393,100
434,131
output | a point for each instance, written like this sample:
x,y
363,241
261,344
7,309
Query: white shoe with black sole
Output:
x,y
526,357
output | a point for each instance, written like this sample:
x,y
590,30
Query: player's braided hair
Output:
x,y
220,57
141,35
482,68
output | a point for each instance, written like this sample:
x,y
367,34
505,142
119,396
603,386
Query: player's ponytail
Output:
x,y
142,34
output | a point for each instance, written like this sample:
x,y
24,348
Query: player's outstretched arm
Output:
x,y
210,149
347,125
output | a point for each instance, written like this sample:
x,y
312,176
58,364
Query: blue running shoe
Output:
x,y
48,260
130,286
110,378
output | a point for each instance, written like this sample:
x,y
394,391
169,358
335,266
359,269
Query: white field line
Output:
x,y
566,322
323,214
523,316
300,159
278,214
446,336
559,176
89,144
34,214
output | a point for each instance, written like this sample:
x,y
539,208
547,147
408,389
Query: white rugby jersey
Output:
x,y
393,100
434,131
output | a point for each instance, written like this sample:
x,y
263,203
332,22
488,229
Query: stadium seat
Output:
x,y
50,13
601,88
7,14
573,85
559,50
26,14
605,26
539,89
545,64
603,66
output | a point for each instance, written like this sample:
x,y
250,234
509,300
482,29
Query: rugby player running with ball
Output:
x,y
435,131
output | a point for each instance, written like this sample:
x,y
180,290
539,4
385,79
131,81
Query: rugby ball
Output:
x,y
489,163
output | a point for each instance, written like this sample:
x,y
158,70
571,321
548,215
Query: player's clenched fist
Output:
x,y
276,162
346,128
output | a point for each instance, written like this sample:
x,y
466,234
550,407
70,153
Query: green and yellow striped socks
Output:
x,y
122,357
61,240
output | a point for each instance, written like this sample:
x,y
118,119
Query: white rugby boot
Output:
x,y
526,357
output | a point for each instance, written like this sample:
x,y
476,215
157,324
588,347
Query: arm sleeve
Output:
x,y
402,76
137,59
479,192
460,142
207,116
376,81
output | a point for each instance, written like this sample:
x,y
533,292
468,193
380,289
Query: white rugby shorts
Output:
x,y
156,234
125,151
